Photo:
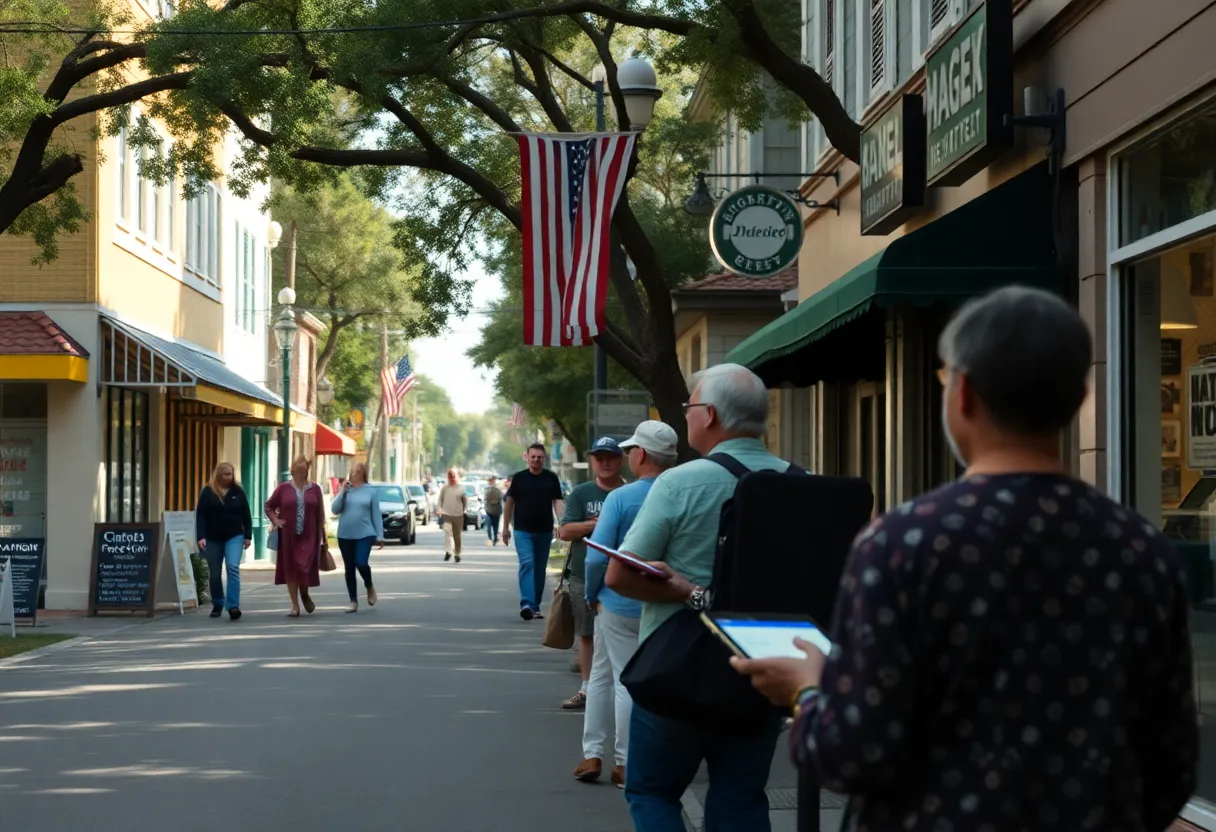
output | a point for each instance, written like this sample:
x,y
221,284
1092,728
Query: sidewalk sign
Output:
x,y
122,576
6,596
177,546
27,561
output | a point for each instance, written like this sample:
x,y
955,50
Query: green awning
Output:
x,y
1000,238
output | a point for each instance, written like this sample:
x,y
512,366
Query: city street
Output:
x,y
436,710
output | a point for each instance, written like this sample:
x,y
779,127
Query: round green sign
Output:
x,y
756,231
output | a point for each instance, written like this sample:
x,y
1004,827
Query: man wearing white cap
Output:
x,y
651,451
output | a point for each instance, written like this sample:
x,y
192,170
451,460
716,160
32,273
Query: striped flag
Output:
x,y
395,381
571,185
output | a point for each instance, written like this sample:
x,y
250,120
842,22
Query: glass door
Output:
x,y
255,477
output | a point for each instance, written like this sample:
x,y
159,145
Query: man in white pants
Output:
x,y
651,450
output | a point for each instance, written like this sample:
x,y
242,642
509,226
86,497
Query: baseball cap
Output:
x,y
605,445
654,436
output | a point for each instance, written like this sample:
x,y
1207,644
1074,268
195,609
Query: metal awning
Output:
x,y
134,358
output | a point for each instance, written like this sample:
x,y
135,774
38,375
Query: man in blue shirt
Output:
x,y
651,450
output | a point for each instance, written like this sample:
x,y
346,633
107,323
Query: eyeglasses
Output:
x,y
687,406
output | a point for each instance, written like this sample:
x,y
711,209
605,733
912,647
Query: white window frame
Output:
x,y
956,10
810,57
868,92
837,82
202,266
122,198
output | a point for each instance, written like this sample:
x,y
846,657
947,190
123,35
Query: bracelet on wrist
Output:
x,y
801,696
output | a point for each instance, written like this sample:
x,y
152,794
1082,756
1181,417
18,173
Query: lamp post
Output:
x,y
285,329
639,87
325,392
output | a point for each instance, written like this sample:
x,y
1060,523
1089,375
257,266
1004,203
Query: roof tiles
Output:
x,y
33,333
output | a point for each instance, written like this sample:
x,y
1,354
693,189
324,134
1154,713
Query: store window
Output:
x,y
23,461
126,456
1167,371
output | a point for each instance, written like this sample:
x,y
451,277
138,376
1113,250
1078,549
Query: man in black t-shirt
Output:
x,y
534,501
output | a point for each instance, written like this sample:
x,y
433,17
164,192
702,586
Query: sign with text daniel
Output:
x,y
893,166
968,93
756,231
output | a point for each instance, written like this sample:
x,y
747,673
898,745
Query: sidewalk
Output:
x,y
782,797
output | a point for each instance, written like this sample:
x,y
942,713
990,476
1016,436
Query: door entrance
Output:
x,y
255,476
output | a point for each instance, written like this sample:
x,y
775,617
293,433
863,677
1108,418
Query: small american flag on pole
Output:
x,y
395,381
571,185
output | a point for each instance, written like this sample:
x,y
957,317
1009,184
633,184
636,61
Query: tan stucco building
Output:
x,y
1121,220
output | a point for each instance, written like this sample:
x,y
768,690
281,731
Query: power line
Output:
x,y
34,27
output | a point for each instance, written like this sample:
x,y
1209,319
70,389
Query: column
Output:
x,y
1091,300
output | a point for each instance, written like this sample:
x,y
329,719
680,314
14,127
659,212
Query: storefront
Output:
x,y
1162,369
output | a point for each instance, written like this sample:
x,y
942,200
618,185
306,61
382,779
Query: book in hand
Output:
x,y
629,560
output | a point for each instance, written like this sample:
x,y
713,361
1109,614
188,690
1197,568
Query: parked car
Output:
x,y
472,509
399,521
418,502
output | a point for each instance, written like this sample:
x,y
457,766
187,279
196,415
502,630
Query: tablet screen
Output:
x,y
772,639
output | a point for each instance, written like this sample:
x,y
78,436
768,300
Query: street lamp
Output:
x,y
640,89
274,233
701,203
285,329
325,392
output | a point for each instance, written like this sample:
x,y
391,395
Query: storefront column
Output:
x,y
75,478
1092,294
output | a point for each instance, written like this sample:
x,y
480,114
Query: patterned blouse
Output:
x,y
300,506
1012,653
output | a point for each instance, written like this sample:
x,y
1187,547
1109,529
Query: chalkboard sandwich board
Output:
x,y
125,560
25,556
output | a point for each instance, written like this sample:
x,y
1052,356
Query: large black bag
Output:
x,y
783,538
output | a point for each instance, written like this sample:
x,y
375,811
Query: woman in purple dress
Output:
x,y
297,510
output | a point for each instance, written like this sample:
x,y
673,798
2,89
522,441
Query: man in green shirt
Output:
x,y
582,510
677,530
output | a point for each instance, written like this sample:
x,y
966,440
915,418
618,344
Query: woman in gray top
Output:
x,y
360,525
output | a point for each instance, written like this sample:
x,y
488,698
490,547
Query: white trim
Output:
x,y
1200,813
861,73
918,48
1194,227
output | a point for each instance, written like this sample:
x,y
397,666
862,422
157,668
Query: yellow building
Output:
x,y
116,400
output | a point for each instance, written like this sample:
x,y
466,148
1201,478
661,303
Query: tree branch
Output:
x,y
623,352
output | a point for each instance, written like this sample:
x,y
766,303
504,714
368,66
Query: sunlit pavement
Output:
x,y
435,710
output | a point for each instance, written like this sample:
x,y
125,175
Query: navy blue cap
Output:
x,y
606,445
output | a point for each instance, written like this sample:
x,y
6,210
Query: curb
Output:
x,y
43,651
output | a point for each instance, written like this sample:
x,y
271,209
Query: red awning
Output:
x,y
332,443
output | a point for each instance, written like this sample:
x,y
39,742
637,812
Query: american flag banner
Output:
x,y
395,381
571,185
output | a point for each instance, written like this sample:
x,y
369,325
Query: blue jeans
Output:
x,y
492,526
356,552
532,548
220,553
664,756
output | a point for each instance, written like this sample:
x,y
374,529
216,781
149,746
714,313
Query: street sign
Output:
x,y
616,413
123,573
756,231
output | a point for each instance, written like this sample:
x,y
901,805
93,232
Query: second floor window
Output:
x,y
203,235
246,280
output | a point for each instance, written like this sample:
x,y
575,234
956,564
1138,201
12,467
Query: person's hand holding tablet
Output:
x,y
784,680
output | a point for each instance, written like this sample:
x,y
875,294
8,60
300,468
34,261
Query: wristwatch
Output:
x,y
698,599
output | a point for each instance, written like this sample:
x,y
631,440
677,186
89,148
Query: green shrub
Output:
x,y
202,578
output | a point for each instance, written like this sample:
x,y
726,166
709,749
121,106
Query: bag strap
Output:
x,y
565,565
730,464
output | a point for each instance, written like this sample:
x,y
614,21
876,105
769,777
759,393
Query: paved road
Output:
x,y
437,711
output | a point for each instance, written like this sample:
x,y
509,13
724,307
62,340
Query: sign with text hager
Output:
x,y
968,94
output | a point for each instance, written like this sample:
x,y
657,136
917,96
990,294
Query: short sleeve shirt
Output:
x,y
534,495
585,502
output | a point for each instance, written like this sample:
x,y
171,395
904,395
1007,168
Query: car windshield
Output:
x,y
416,490
470,490
390,494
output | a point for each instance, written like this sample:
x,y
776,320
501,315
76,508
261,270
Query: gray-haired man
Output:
x,y
677,529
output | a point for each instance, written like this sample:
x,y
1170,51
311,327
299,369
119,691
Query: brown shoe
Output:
x,y
578,702
371,596
588,771
618,776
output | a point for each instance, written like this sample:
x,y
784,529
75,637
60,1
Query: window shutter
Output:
x,y
878,43
939,13
829,42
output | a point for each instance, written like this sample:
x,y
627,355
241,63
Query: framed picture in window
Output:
x,y
1203,282
1171,438
1171,484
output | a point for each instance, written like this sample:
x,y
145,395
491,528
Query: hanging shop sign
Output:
x,y
968,93
756,231
893,166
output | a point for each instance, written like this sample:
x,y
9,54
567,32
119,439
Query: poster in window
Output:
x,y
1171,356
1171,438
1171,484
1200,409
1202,280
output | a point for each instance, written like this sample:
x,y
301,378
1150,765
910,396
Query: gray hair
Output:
x,y
664,461
738,396
1026,353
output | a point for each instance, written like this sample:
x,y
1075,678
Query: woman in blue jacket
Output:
x,y
225,529
360,525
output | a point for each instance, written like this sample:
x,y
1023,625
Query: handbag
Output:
x,y
559,625
327,560
272,540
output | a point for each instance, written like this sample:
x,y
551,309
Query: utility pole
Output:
x,y
384,472
285,433
601,357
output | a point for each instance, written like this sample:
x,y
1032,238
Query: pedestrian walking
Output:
x,y
492,500
360,526
1011,650
578,522
297,511
224,527
650,451
677,529
453,503
534,499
